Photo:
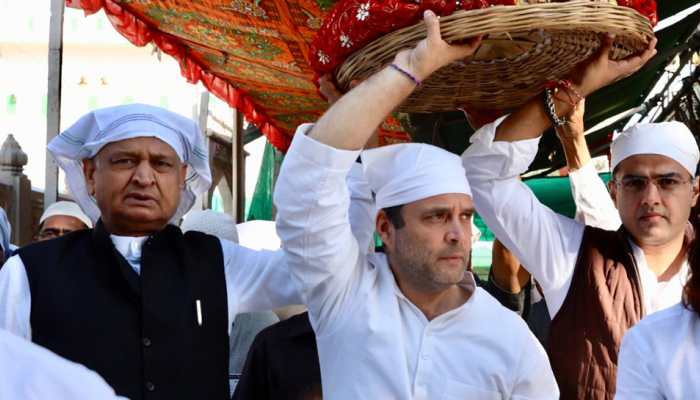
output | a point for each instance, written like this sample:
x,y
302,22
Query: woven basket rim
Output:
x,y
460,25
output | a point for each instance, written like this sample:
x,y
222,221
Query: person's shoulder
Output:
x,y
49,249
662,321
662,333
59,242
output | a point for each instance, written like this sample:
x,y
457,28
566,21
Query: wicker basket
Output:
x,y
526,47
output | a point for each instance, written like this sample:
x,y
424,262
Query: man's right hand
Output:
x,y
600,71
433,53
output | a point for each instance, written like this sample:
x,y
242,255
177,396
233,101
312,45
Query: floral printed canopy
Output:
x,y
250,53
257,55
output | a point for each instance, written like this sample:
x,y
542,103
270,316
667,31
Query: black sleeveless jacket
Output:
x,y
141,333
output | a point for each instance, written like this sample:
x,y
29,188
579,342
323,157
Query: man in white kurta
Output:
x,y
654,188
255,280
548,243
379,335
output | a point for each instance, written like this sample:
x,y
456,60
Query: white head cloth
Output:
x,y
403,173
671,139
212,222
67,208
95,130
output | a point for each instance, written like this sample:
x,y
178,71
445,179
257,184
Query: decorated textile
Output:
x,y
250,53
352,24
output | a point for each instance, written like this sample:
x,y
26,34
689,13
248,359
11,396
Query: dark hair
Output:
x,y
691,291
394,216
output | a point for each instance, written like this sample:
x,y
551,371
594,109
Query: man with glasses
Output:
x,y
61,218
597,283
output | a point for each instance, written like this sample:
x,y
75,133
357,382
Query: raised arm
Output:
x,y
546,243
594,206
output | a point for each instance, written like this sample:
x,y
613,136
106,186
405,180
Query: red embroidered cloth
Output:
x,y
250,53
352,24
257,55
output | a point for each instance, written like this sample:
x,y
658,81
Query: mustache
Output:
x,y
653,212
454,252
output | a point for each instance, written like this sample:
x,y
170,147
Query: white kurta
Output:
x,y
660,356
546,243
373,342
30,372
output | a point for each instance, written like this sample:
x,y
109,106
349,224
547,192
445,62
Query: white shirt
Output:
x,y
30,372
546,243
373,342
659,357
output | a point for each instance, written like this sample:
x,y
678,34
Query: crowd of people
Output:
x,y
120,297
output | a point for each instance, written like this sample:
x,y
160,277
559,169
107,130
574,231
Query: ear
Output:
x,y
696,191
384,228
89,169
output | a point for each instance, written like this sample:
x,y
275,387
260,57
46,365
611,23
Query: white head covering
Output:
x,y
95,130
67,208
671,139
212,222
403,173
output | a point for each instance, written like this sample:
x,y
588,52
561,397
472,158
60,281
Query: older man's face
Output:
x,y
137,184
654,195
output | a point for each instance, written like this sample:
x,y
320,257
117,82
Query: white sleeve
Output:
x,y
15,298
535,379
256,280
546,243
594,206
362,212
312,203
636,379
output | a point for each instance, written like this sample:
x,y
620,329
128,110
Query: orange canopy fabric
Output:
x,y
253,54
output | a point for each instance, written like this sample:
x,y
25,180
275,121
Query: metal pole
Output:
x,y
53,114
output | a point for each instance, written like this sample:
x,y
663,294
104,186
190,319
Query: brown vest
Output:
x,y
604,300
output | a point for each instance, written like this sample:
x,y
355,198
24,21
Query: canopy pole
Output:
x,y
53,113
237,168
